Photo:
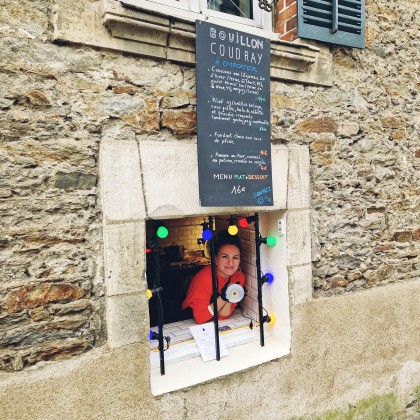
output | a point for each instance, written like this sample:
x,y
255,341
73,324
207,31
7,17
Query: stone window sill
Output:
x,y
107,24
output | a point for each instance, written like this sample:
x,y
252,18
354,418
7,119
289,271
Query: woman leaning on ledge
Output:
x,y
199,295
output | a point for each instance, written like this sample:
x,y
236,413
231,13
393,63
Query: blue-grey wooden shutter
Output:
x,y
340,22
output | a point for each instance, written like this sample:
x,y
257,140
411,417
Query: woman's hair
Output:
x,y
224,238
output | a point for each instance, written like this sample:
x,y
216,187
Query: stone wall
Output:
x,y
58,101
363,135
51,284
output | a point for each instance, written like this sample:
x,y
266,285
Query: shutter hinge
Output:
x,y
265,5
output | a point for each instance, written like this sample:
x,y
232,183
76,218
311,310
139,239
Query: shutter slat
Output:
x,y
318,22
317,4
354,4
310,11
349,22
315,21
349,12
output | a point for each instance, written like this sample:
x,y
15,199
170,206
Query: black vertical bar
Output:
x,y
334,27
214,284
159,306
259,281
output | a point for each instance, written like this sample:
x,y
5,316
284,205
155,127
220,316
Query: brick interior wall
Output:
x,y
285,21
183,232
248,264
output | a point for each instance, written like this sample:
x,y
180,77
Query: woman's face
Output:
x,y
227,260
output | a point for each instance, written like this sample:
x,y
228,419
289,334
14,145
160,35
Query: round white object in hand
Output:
x,y
235,293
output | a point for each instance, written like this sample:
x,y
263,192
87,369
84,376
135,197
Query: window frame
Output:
x,y
246,350
191,10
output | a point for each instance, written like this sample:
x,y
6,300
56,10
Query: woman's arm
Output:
x,y
198,296
223,308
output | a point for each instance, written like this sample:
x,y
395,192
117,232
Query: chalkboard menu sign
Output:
x,y
233,117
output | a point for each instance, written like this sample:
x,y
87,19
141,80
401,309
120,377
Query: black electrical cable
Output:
x,y
161,307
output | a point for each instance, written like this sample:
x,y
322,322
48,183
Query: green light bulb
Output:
x,y
271,241
162,232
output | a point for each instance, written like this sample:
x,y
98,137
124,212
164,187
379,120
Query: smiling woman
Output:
x,y
199,296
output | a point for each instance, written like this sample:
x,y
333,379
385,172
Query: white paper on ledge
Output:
x,y
204,337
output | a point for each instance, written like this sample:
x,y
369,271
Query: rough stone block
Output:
x,y
298,193
301,279
32,296
317,125
182,121
279,160
298,237
75,181
121,184
124,262
125,316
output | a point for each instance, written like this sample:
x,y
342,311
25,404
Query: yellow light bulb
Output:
x,y
273,320
233,229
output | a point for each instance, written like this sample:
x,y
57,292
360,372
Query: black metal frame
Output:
x,y
258,243
159,304
158,288
215,291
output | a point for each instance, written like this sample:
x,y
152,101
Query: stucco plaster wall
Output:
x,y
344,348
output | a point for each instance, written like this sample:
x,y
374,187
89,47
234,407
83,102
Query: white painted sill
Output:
x,y
184,366
183,346
193,371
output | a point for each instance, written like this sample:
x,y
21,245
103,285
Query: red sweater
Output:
x,y
200,293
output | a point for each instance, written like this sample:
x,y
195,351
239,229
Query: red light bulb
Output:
x,y
243,223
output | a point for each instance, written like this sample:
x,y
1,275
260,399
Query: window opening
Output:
x,y
166,280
